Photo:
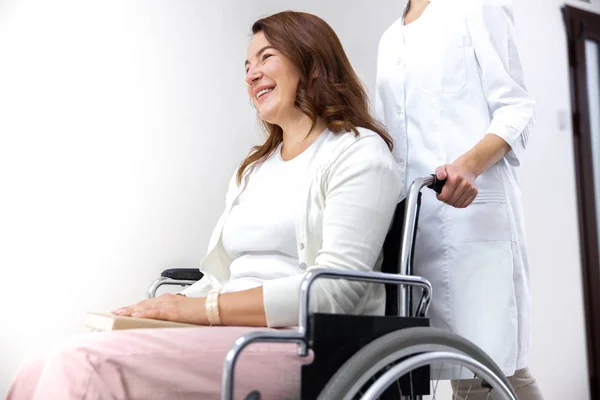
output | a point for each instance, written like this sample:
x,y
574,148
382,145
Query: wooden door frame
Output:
x,y
581,25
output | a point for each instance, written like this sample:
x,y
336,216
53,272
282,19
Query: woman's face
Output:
x,y
272,81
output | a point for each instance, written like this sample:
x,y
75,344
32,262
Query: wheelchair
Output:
x,y
391,357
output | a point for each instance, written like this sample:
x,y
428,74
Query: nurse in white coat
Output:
x,y
451,91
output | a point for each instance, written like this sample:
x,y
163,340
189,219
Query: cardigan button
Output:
x,y
302,266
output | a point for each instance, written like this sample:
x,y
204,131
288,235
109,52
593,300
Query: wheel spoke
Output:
x,y
455,393
469,391
437,382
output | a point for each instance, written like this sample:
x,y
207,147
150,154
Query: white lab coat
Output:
x,y
443,82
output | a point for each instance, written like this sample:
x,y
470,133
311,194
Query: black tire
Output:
x,y
397,345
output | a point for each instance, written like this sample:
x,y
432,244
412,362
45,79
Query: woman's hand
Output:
x,y
459,190
168,307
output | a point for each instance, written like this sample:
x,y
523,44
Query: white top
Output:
x,y
260,234
345,208
443,82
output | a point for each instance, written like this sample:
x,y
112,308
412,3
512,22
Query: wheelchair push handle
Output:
x,y
413,201
437,185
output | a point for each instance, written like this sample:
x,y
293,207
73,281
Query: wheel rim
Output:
x,y
355,389
366,366
420,360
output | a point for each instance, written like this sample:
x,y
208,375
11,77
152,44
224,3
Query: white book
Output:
x,y
111,322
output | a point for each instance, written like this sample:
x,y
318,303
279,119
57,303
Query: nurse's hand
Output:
x,y
168,307
459,190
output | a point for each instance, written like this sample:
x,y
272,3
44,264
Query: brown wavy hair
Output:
x,y
328,87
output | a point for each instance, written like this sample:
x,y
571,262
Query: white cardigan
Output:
x,y
352,189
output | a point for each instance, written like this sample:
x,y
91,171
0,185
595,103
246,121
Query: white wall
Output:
x,y
558,355
120,126
121,122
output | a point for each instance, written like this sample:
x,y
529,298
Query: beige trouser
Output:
x,y
522,381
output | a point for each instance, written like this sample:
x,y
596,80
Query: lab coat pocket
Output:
x,y
441,65
483,297
486,219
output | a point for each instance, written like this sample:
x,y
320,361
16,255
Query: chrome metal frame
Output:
x,y
300,336
373,277
403,279
151,293
410,221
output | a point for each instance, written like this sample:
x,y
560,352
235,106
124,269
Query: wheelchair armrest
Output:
x,y
176,277
183,274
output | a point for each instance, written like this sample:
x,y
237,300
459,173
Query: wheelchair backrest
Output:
x,y
391,256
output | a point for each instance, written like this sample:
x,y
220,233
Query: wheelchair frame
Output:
x,y
403,279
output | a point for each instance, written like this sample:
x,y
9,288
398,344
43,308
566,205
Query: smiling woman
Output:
x,y
320,192
300,66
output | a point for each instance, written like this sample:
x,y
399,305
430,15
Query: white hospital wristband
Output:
x,y
212,308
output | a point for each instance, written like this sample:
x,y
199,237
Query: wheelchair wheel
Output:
x,y
363,369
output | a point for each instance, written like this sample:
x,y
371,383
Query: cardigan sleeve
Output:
x,y
363,189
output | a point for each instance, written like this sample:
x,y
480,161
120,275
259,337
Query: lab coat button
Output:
x,y
302,266
399,61
399,111
301,245
401,163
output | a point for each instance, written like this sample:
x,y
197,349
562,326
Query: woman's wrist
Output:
x,y
483,155
469,163
211,304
